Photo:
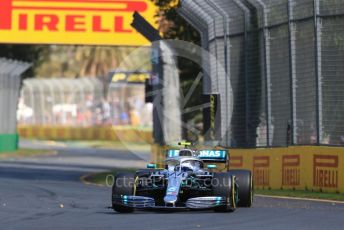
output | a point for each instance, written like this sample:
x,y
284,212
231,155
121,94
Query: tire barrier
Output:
x,y
316,168
60,133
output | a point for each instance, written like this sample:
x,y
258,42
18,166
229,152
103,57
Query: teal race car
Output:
x,y
185,183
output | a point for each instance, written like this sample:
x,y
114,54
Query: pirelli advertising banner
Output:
x,y
89,22
298,167
317,168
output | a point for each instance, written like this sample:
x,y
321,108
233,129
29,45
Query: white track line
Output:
x,y
303,199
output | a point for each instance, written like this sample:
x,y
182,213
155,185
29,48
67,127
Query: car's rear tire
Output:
x,y
245,187
224,186
124,184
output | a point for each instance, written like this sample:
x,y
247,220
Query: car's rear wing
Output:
x,y
213,155
207,155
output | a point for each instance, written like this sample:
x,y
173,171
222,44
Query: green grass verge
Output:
x,y
104,178
302,194
25,153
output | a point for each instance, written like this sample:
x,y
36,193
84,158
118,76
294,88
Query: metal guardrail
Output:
x,y
284,62
61,101
81,103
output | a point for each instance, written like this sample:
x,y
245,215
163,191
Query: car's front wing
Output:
x,y
148,203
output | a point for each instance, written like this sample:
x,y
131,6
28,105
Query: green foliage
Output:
x,y
92,61
178,28
28,53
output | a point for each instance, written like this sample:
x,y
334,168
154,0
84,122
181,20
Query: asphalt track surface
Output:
x,y
47,194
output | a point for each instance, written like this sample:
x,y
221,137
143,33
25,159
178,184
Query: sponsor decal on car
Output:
x,y
213,154
203,154
172,189
172,153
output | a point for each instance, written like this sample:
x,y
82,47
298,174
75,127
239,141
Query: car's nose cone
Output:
x,y
170,199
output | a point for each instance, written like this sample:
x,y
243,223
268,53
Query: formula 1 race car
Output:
x,y
184,184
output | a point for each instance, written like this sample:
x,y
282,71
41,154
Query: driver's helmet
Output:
x,y
190,166
187,166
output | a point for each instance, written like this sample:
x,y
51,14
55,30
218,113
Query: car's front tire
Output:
x,y
123,185
224,186
245,186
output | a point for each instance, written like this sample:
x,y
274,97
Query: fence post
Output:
x,y
318,70
224,16
246,57
267,73
292,55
